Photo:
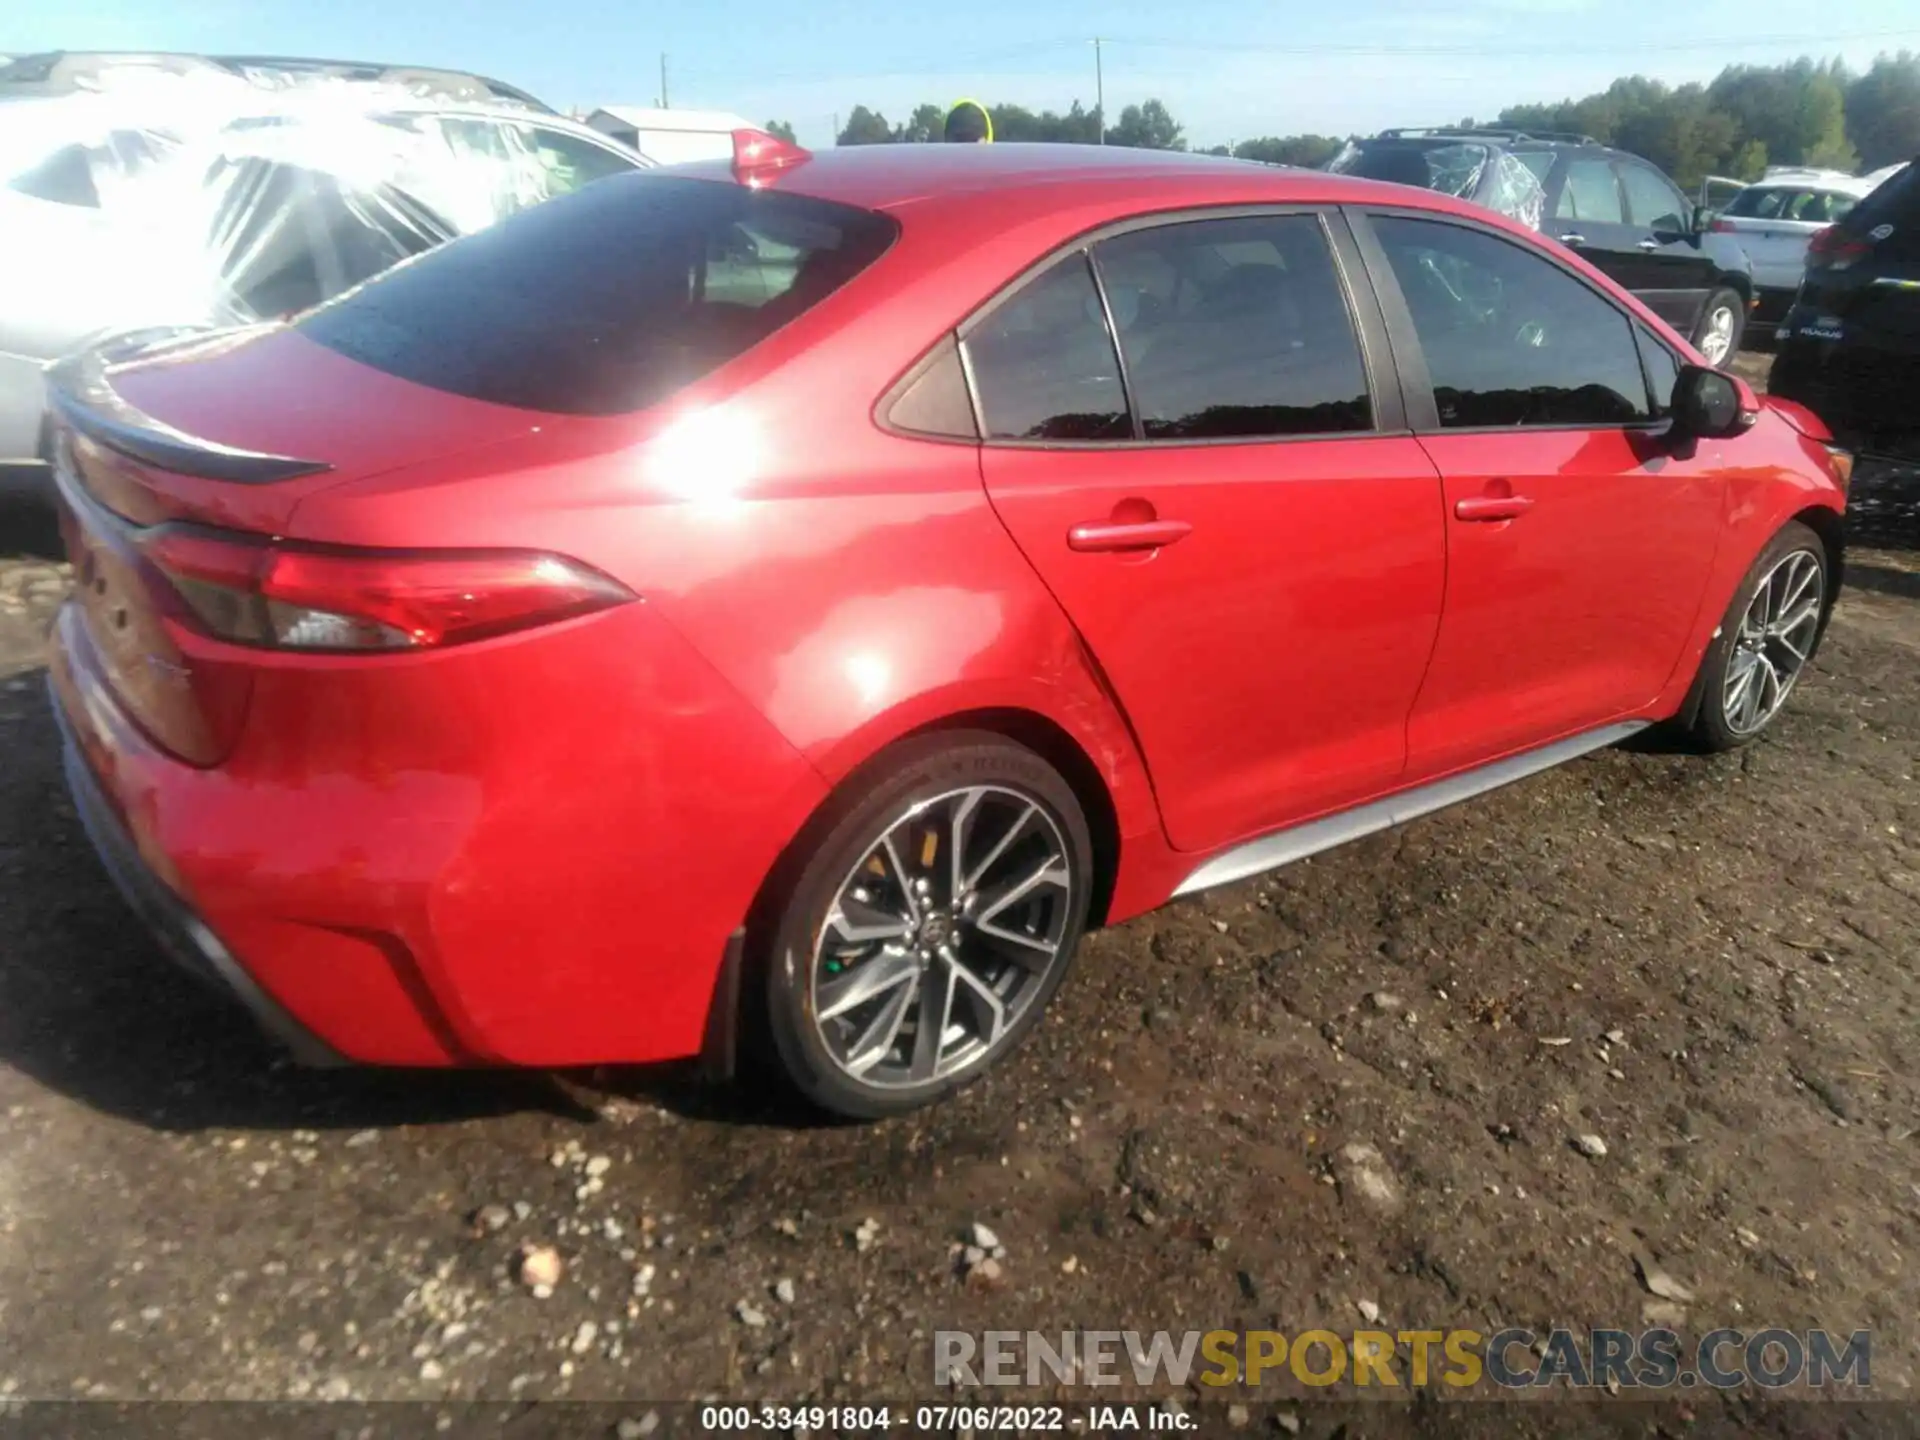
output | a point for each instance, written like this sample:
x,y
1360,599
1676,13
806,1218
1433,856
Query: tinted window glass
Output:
x,y
1235,328
1511,339
607,300
1663,370
1590,193
1652,201
1043,362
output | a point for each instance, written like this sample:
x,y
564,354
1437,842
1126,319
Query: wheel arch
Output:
x,y
1040,733
1830,529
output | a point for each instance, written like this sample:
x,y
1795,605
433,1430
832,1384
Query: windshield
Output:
x,y
608,300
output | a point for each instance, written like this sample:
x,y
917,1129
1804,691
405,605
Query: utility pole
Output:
x,y
664,103
1099,92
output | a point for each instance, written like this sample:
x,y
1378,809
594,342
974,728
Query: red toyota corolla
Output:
x,y
795,600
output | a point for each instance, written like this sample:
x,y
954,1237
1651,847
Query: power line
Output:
x,y
1718,42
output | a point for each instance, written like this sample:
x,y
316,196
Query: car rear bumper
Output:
x,y
516,854
1864,393
181,935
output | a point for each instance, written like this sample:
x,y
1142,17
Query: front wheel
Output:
x,y
937,913
1764,643
1722,324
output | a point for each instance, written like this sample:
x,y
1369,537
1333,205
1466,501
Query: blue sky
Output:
x,y
1228,69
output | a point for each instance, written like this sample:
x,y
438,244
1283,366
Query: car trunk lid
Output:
x,y
148,447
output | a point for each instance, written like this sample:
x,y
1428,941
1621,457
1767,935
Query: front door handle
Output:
x,y
1492,507
1649,245
1101,535
1573,239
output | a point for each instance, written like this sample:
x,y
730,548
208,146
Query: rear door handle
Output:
x,y
1574,239
1124,535
1492,507
1649,244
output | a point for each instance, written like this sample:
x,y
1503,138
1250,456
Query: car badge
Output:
x,y
1881,232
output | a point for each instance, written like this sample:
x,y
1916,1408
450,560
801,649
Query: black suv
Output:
x,y
1619,212
1850,346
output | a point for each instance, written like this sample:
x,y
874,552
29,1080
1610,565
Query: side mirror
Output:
x,y
1708,405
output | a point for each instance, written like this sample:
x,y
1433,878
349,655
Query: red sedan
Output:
x,y
784,605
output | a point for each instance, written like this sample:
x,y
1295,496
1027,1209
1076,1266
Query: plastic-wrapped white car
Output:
x,y
208,200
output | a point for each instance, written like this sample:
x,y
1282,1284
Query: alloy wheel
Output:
x,y
941,938
1773,642
1716,342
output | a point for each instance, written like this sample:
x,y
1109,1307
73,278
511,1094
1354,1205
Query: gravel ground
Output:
x,y
1704,962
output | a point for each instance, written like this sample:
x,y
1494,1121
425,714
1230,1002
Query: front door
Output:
x,y
1578,545
1587,213
1675,272
1255,567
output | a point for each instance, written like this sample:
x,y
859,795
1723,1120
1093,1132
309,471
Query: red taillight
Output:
x,y
1723,226
1830,250
295,597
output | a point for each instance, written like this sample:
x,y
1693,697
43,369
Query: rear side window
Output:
x,y
605,301
1235,328
1590,193
1043,362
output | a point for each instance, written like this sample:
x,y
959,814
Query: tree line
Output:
x,y
1806,112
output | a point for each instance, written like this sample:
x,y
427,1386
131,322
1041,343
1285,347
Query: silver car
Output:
x,y
1775,217
179,204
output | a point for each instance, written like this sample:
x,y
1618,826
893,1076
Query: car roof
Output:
x,y
1022,180
1815,180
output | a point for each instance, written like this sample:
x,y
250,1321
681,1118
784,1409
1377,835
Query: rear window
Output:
x,y
1451,169
607,300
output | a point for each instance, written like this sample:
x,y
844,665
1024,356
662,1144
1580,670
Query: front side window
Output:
x,y
1043,362
1590,193
1653,202
1511,339
1235,328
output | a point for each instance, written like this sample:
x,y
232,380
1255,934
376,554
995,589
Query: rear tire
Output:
x,y
899,972
1722,326
1764,644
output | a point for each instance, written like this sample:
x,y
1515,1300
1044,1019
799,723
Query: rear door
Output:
x,y
1578,545
1227,505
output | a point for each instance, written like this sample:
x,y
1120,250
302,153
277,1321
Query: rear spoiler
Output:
x,y
80,394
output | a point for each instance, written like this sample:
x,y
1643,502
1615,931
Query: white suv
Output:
x,y
1776,216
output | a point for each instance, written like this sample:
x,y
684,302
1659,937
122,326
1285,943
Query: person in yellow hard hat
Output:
x,y
968,123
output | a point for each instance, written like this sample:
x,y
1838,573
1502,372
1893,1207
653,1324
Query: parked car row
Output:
x,y
1828,258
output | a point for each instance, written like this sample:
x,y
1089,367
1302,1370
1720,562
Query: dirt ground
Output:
x,y
1708,963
